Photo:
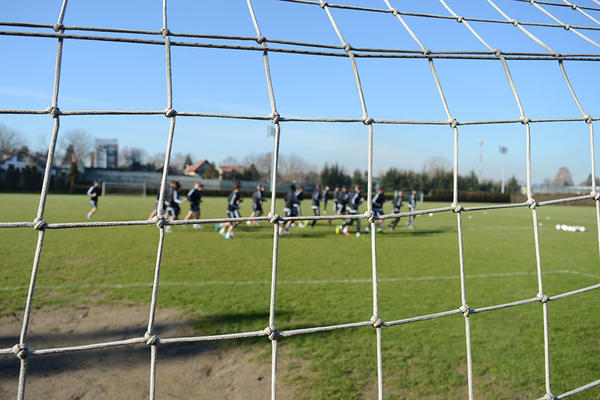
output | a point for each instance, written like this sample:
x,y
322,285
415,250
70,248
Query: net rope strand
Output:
x,y
455,205
39,224
271,330
541,295
367,120
360,52
21,350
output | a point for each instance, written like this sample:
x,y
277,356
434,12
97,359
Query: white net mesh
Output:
x,y
344,49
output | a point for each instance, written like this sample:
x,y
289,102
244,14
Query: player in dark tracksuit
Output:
x,y
290,209
377,205
172,201
354,201
397,205
336,193
258,198
340,206
233,211
194,197
94,192
316,204
324,197
299,198
155,211
412,206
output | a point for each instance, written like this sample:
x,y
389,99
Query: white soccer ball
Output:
x,y
431,214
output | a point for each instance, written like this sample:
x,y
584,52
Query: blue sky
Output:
x,y
102,75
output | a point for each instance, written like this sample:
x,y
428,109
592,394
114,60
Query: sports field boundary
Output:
x,y
299,282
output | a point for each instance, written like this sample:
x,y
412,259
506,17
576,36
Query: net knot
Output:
x,y
20,350
58,28
542,297
261,39
426,52
275,117
151,339
457,208
347,47
39,224
549,396
558,55
367,120
164,32
532,203
567,27
272,333
370,216
498,53
53,111
453,123
514,22
595,195
323,4
274,218
459,19
465,310
587,118
160,221
395,12
376,322
574,6
170,112
525,120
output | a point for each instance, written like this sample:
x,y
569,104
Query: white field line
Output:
x,y
291,282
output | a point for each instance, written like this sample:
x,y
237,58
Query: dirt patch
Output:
x,y
185,371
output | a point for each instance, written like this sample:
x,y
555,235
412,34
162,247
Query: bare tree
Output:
x,y
79,143
563,177
9,140
230,160
157,160
177,162
262,162
436,166
132,157
294,168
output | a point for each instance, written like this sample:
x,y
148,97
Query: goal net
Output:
x,y
266,46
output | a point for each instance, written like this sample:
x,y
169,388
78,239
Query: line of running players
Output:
x,y
172,200
344,202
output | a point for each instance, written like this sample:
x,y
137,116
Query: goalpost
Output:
x,y
259,43
111,188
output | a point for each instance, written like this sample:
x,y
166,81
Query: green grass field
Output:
x,y
227,285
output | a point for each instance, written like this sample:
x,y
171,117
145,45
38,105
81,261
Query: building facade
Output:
x,y
107,153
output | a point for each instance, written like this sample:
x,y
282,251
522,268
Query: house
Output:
x,y
229,171
19,159
198,169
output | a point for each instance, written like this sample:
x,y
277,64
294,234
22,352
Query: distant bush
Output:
x,y
480,197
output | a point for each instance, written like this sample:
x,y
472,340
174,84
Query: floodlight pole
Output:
x,y
503,150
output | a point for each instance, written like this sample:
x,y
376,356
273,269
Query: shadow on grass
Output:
x,y
130,355
425,232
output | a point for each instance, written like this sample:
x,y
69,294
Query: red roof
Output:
x,y
194,167
229,168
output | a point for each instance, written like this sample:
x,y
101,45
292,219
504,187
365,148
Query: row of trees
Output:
x,y
31,179
75,147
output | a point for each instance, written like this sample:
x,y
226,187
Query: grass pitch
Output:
x,y
324,279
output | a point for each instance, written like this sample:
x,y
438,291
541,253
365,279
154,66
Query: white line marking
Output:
x,y
299,282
